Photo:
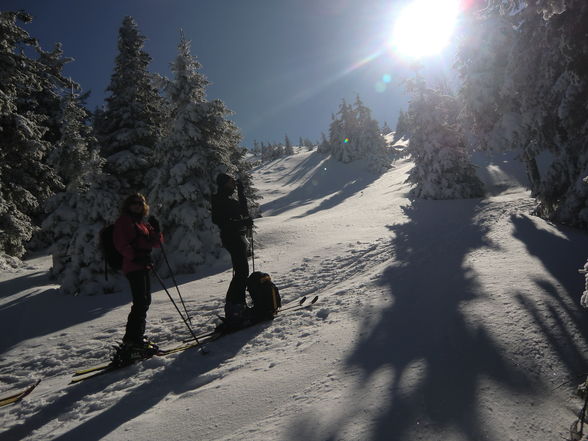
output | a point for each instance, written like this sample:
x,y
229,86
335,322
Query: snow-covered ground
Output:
x,y
437,320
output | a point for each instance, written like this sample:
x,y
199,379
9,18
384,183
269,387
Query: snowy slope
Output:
x,y
437,320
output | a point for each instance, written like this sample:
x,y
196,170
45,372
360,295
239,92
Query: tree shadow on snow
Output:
x,y
437,359
186,373
557,313
49,311
13,286
327,178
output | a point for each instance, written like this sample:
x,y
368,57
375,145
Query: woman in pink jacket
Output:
x,y
134,238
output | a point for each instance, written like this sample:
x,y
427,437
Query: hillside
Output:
x,y
437,320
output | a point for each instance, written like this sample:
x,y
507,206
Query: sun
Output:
x,y
424,27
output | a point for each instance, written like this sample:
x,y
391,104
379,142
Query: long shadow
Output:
x,y
328,178
187,372
561,253
310,163
44,308
561,320
11,287
437,357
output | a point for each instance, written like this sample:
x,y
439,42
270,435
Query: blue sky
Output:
x,y
282,66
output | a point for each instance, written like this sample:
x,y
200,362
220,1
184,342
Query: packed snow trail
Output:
x,y
438,320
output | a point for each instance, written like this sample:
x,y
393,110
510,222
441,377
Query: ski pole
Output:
x,y
204,351
174,280
252,248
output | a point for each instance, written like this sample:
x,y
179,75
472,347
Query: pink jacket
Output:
x,y
134,240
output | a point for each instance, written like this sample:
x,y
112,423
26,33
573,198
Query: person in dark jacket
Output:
x,y
228,214
134,238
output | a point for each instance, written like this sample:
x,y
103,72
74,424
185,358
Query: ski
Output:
x,y
15,398
91,369
95,371
300,305
292,306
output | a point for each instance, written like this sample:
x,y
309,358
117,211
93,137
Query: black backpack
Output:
x,y
112,258
264,294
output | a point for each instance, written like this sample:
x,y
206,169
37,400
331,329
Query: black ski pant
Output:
x,y
237,247
141,292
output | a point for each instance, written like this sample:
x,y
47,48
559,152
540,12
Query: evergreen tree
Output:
x,y
256,148
288,149
265,152
401,127
277,151
132,121
72,219
355,135
370,143
525,88
441,165
49,101
74,155
341,133
202,142
324,146
244,172
26,181
76,218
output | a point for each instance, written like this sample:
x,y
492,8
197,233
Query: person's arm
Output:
x,y
155,234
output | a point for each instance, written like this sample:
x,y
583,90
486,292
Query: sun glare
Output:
x,y
424,27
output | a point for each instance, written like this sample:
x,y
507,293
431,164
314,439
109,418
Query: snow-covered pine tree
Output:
x,y
561,121
278,150
244,171
56,87
76,218
341,134
130,125
73,221
401,126
26,181
324,147
442,169
200,144
288,149
368,139
492,116
525,88
354,135
256,150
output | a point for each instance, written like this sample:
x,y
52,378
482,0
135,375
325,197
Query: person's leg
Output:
x,y
236,291
141,292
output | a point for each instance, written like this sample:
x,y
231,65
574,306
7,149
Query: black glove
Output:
x,y
154,223
143,259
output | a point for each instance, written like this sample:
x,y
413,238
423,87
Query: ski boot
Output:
x,y
131,351
237,316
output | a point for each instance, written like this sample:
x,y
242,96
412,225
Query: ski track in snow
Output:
x,y
361,364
